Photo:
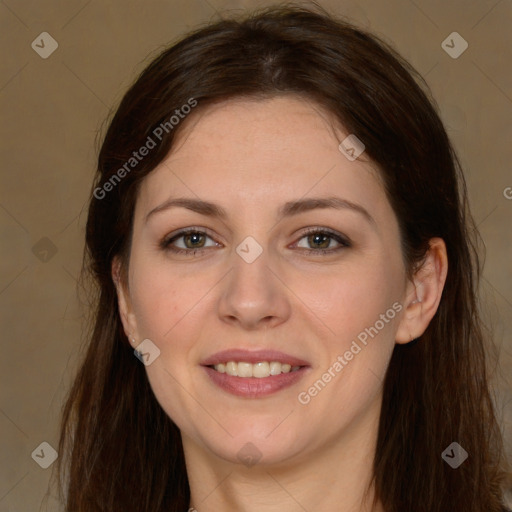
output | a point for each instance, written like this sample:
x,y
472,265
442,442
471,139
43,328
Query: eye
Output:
x,y
187,241
316,241
322,240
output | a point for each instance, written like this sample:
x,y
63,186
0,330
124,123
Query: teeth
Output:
x,y
231,368
275,368
258,370
244,370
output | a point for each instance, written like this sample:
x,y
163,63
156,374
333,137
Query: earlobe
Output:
x,y
424,293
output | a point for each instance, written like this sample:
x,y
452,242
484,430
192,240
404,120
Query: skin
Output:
x,y
250,157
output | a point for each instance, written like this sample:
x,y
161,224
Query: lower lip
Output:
x,y
252,387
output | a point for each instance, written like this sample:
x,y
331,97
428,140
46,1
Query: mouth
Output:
x,y
254,374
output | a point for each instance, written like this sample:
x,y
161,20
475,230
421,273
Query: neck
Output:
x,y
335,478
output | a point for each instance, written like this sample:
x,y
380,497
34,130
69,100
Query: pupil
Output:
x,y
317,239
194,238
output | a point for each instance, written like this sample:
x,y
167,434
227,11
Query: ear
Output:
x,y
424,293
124,302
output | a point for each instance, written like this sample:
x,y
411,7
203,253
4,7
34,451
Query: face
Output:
x,y
290,270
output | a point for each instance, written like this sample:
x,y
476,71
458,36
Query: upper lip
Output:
x,y
252,356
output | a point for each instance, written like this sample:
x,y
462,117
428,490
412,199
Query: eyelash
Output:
x,y
165,244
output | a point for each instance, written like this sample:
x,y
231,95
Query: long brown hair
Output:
x,y
119,450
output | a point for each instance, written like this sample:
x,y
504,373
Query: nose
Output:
x,y
253,295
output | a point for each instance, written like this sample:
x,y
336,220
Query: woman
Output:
x,y
280,233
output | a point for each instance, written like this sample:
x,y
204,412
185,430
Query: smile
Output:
x,y
254,373
258,370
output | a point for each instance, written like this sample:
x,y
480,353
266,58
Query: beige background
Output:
x,y
52,109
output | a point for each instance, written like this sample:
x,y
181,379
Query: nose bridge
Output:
x,y
252,293
250,281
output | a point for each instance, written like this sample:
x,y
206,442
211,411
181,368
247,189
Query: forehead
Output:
x,y
261,151
283,127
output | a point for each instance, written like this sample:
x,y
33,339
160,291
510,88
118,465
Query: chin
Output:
x,y
255,452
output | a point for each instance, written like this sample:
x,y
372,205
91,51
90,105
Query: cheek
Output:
x,y
162,299
357,309
352,298
168,310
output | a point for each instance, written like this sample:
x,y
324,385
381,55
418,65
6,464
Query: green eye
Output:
x,y
320,240
190,241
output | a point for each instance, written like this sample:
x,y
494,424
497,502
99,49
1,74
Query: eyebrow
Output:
x,y
287,210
